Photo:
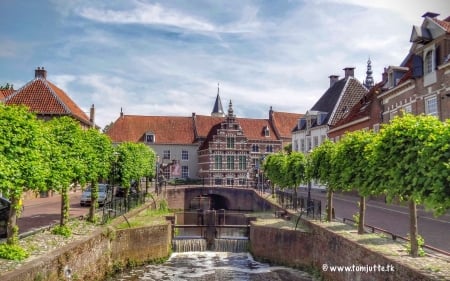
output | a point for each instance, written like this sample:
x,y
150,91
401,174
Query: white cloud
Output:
x,y
145,13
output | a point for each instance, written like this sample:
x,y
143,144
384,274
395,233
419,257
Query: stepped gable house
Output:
x,y
47,100
334,105
221,149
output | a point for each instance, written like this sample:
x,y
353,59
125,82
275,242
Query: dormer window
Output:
x,y
266,131
149,137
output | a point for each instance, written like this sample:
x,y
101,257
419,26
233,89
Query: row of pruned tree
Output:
x,y
57,154
408,160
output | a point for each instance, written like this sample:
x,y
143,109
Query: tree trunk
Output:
x,y
12,232
94,200
329,204
413,230
64,206
362,214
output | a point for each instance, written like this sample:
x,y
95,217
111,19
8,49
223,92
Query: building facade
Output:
x,y
221,149
334,105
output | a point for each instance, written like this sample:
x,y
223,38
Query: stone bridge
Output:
x,y
228,198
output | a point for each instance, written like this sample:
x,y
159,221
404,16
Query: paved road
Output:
x,y
393,218
41,212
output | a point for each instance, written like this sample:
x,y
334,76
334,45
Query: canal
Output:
x,y
208,266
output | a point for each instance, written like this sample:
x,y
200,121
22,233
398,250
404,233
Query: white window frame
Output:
x,y
431,106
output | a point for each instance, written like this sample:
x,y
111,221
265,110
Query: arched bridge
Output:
x,y
228,198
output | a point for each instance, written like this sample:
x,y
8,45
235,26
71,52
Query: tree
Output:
x,y
65,159
22,146
97,157
275,169
295,172
134,161
7,86
351,159
434,163
320,167
400,166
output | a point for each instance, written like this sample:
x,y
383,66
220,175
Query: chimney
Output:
x,y
40,72
384,75
333,79
349,72
92,116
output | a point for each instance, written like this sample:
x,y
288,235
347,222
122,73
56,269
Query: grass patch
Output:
x,y
147,217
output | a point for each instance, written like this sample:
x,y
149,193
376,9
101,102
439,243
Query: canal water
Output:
x,y
209,266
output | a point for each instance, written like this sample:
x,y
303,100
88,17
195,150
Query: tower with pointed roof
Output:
x,y
217,109
369,78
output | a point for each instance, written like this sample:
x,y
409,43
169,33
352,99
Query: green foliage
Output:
x,y
163,206
22,161
420,242
320,165
62,230
13,252
134,161
275,166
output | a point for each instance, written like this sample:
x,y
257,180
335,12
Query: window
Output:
x,y
230,162
316,141
302,145
184,172
230,142
266,132
308,141
184,155
218,162
431,106
166,154
149,138
269,148
230,181
376,128
407,108
429,62
255,148
217,181
296,145
242,163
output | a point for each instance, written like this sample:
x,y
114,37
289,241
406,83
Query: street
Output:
x,y
392,218
41,212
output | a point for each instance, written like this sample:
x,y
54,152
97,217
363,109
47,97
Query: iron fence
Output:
x,y
120,205
299,203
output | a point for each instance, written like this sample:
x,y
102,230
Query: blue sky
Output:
x,y
166,57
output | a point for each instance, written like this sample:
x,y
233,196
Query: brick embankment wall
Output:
x,y
98,254
320,247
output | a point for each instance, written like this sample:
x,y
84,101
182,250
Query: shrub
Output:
x,y
13,252
62,230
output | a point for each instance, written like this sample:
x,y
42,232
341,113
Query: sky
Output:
x,y
168,57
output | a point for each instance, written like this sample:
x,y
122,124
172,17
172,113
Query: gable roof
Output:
x,y
167,129
44,98
350,95
284,123
5,93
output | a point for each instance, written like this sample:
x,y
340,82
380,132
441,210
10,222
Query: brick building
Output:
x,y
221,149
47,100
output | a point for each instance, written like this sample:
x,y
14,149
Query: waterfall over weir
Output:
x,y
234,245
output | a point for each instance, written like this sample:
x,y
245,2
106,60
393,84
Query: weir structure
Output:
x,y
213,230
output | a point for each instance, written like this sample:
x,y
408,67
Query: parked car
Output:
x,y
104,195
5,205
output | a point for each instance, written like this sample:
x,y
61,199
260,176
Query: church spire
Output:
x,y
218,109
369,78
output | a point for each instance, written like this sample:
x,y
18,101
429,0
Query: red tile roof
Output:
x,y
5,93
445,24
186,130
167,129
44,98
284,123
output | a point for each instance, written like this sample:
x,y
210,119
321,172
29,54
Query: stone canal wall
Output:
x,y
98,254
319,247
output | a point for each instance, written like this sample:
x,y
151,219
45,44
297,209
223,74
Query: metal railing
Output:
x,y
120,205
299,203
